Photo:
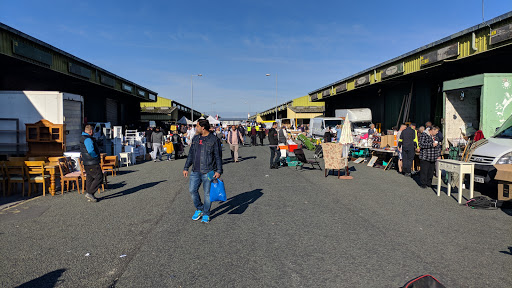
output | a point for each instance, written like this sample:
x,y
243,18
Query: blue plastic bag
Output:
x,y
217,191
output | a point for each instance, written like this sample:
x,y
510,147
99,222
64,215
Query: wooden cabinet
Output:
x,y
46,139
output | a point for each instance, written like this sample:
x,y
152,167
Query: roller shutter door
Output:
x,y
112,111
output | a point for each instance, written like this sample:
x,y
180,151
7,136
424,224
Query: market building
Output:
x,y
297,111
29,64
165,111
412,87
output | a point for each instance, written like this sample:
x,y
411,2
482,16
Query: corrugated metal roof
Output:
x,y
446,39
46,45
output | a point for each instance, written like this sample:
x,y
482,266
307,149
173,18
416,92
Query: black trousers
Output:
x,y
262,136
94,178
274,153
407,159
253,140
427,172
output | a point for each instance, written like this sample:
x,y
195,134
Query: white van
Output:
x,y
496,150
360,118
317,125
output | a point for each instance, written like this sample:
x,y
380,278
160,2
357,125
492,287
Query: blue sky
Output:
x,y
159,44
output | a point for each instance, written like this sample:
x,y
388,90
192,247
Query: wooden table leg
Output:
x,y
472,182
460,185
52,182
449,183
439,182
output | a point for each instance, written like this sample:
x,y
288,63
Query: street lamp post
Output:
x,y
192,96
276,93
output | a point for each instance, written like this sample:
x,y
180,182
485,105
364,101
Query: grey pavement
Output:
x,y
279,228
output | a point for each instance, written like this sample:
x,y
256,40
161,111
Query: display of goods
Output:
x,y
306,142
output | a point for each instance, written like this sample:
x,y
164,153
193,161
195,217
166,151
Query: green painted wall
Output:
x,y
496,101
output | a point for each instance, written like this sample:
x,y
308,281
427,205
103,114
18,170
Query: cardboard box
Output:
x,y
504,177
387,140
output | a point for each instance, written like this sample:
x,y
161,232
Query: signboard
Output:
x,y
79,70
440,55
393,70
27,51
340,88
326,93
152,97
127,87
141,93
501,34
107,80
314,97
362,80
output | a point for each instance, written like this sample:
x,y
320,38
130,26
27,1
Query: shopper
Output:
x,y
147,135
90,154
206,159
254,132
262,133
327,135
158,140
429,152
408,142
234,138
400,159
372,130
274,151
283,135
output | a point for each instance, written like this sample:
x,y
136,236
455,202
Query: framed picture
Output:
x,y
359,160
372,161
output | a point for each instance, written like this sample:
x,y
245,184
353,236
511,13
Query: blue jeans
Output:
x,y
196,178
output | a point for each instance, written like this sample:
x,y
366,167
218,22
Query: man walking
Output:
x,y
274,152
147,135
400,159
234,137
91,159
408,143
262,133
254,132
158,140
206,158
429,153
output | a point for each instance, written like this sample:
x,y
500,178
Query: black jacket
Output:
x,y
87,159
272,136
408,139
211,154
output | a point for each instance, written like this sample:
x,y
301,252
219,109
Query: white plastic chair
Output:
x,y
125,158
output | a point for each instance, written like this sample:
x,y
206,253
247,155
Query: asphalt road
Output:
x,y
279,228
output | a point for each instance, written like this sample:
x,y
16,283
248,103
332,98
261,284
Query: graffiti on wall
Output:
x,y
507,100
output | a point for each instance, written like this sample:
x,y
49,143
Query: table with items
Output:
x,y
459,167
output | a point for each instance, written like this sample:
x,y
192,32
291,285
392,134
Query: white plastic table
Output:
x,y
459,167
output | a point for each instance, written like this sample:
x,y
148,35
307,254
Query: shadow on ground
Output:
x,y
131,190
237,204
47,280
116,185
509,252
123,172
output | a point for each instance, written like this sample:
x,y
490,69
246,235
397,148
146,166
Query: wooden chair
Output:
x,y
299,153
16,159
109,164
36,174
67,177
333,157
83,175
38,158
3,177
16,174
